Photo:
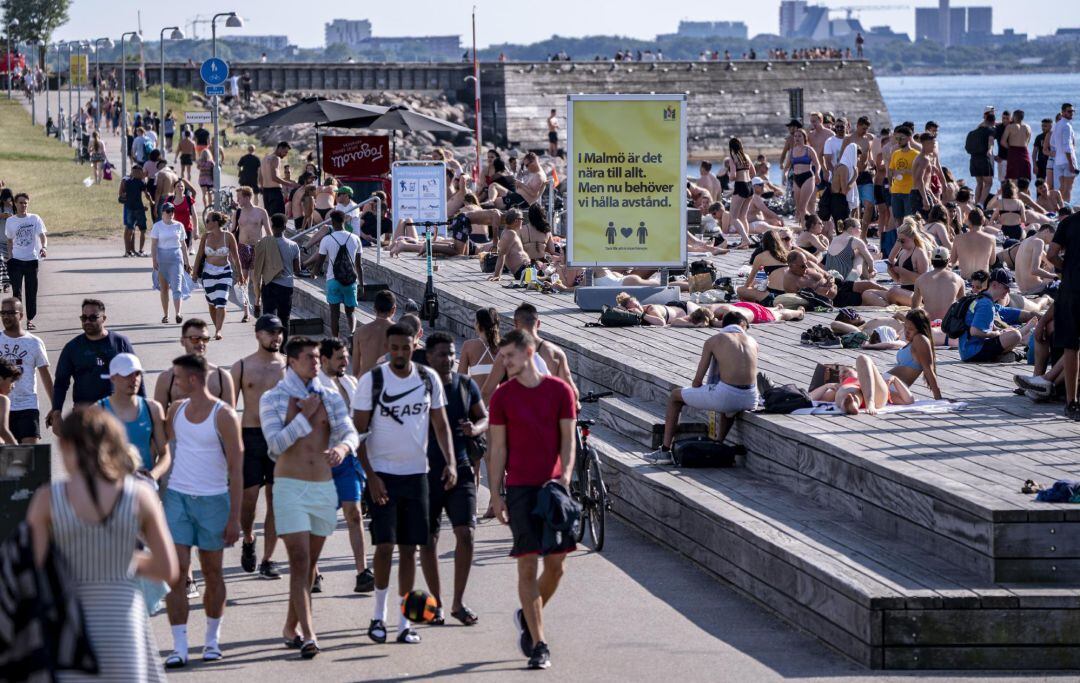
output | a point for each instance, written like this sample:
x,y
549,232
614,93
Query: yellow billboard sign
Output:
x,y
627,194
80,69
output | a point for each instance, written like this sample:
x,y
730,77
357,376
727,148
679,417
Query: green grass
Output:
x,y
45,169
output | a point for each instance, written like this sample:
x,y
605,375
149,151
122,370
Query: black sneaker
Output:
x,y
1072,411
247,556
524,638
268,570
541,657
365,581
317,586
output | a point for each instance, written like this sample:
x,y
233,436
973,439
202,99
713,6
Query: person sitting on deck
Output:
x,y
989,333
909,259
729,358
1034,273
847,254
770,258
863,387
937,288
512,255
803,274
975,249
915,357
980,280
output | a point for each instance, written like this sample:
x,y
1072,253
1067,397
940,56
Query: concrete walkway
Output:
x,y
634,612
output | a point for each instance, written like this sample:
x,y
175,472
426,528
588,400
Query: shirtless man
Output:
x,y
802,273
308,429
1017,134
1032,272
527,188
924,168
553,358
369,341
253,224
937,288
1033,211
864,166
165,182
195,338
255,375
185,154
761,217
731,356
1048,199
273,185
882,149
553,133
975,249
512,255
818,134
707,181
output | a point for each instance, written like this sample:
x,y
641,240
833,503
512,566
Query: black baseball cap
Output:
x,y
268,323
794,123
1001,276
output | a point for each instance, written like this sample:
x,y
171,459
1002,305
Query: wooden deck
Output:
x,y
876,529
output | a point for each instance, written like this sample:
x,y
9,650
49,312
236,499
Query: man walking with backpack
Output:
x,y
344,275
395,404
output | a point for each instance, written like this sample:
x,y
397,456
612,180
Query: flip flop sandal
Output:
x,y
165,319
295,644
440,618
466,616
175,661
377,630
212,654
409,637
309,650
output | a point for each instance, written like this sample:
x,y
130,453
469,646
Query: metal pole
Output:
x,y
71,111
161,88
378,229
123,107
78,63
476,83
45,75
59,104
33,85
551,204
214,117
8,59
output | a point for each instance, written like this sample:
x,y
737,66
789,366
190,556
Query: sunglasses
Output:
x,y
9,313
194,339
91,318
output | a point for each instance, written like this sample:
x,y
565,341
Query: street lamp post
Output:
x,y
71,112
59,104
123,99
12,23
176,34
78,62
233,21
97,77
33,82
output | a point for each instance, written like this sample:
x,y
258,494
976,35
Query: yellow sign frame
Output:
x,y
626,184
79,68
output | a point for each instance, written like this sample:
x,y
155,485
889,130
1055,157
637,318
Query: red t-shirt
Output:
x,y
531,418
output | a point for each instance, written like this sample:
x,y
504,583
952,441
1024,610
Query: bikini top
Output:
x,y
220,251
483,368
1004,211
769,269
905,358
805,159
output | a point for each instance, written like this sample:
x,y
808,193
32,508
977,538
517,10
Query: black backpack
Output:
x,y
954,323
619,317
976,142
344,268
377,387
786,399
701,451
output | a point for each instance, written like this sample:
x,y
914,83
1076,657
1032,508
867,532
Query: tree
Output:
x,y
37,18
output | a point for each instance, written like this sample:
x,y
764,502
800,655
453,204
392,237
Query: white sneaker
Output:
x,y
659,457
1034,383
1035,396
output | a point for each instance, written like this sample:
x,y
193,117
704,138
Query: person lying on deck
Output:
x,y
802,273
729,359
863,387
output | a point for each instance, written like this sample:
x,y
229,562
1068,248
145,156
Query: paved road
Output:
x,y
635,612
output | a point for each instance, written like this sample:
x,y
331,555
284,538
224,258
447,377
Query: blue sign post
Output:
x,y
214,71
218,90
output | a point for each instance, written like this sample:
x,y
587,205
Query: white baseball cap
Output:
x,y
124,364
941,253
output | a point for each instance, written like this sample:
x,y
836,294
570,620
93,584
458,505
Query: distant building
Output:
x,y
1066,34
885,34
713,29
265,42
792,13
347,31
954,25
816,25
407,47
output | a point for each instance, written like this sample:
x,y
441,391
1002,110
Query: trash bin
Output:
x,y
22,470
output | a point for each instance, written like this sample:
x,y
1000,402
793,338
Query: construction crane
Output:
x,y
867,8
193,25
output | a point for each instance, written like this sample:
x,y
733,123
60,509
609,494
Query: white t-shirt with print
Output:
x,y
170,236
25,234
393,447
28,354
332,243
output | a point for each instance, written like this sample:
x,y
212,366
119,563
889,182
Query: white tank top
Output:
x,y
199,466
483,369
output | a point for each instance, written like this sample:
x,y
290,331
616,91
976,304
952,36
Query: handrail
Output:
x,y
378,230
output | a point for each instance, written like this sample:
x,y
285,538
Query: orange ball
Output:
x,y
419,606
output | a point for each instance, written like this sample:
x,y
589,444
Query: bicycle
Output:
x,y
587,486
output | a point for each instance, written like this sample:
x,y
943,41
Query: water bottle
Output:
x,y
761,281
529,275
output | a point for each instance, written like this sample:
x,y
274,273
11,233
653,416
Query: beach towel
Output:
x,y
923,406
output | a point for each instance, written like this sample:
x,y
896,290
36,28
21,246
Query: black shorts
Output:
x,y
403,520
273,200
742,188
864,178
824,207
25,424
879,195
980,166
838,206
526,528
514,200
991,350
846,295
459,502
1066,319
1013,232
553,136
258,467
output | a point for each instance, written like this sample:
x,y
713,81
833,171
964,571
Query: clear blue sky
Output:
x,y
496,23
